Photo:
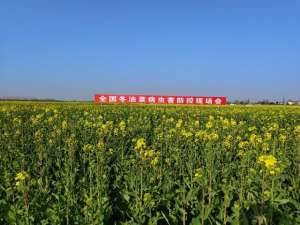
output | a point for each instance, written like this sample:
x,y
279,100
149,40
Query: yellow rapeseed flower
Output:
x,y
198,173
21,177
233,122
149,153
186,134
227,141
265,147
270,163
201,134
268,136
88,148
255,139
282,138
213,136
100,145
226,144
179,123
226,123
64,125
154,161
122,126
297,130
209,125
140,144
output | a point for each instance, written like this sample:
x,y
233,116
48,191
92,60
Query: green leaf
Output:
x,y
196,221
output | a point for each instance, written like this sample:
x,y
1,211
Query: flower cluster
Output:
x,y
270,163
140,144
88,148
198,173
146,154
122,126
21,177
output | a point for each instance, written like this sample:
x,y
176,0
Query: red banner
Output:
x,y
158,99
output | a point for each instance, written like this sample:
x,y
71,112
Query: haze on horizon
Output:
x,y
72,50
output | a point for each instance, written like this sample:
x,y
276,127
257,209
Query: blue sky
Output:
x,y
73,49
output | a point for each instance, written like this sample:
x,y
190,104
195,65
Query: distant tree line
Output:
x,y
30,99
264,102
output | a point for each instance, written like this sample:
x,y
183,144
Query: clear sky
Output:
x,y
73,49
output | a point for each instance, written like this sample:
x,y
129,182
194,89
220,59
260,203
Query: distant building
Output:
x,y
290,102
